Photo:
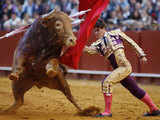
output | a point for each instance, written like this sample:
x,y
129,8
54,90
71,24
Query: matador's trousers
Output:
x,y
127,81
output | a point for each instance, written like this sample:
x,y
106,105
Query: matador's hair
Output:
x,y
100,24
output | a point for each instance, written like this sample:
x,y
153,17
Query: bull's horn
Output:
x,y
50,14
76,22
79,13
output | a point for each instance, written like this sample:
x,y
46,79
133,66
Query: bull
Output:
x,y
35,61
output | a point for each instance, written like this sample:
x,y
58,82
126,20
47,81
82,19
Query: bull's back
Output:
x,y
33,38
39,43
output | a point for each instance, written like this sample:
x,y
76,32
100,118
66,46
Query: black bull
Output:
x,y
36,62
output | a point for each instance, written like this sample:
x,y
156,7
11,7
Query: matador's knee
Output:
x,y
107,87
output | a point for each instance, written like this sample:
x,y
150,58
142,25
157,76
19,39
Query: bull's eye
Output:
x,y
59,25
70,40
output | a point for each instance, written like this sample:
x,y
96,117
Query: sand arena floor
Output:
x,y
46,104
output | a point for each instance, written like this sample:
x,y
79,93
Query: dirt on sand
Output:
x,y
47,104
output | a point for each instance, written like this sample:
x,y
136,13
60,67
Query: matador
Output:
x,y
110,45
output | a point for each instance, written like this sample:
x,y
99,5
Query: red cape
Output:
x,y
71,57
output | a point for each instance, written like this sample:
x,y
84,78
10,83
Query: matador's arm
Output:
x,y
132,43
92,48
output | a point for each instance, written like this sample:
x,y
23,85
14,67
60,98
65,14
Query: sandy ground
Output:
x,y
46,104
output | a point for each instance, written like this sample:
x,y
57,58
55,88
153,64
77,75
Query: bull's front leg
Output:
x,y
64,87
52,68
17,67
56,71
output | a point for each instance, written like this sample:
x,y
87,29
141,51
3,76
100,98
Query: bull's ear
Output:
x,y
58,25
47,17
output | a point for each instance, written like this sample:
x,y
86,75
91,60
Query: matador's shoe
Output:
x,y
104,115
153,113
51,73
14,76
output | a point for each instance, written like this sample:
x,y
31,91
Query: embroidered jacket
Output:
x,y
112,41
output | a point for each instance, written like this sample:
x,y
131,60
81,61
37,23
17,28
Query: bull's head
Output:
x,y
59,24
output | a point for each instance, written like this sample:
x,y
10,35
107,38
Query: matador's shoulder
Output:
x,y
114,32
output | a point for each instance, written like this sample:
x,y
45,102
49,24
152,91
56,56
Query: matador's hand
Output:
x,y
85,49
89,50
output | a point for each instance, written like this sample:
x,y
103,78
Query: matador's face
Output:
x,y
99,32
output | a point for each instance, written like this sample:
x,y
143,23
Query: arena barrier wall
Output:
x,y
148,40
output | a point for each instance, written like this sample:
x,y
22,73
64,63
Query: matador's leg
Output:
x,y
123,70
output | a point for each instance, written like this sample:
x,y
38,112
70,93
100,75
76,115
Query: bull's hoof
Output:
x,y
90,111
51,73
14,76
7,112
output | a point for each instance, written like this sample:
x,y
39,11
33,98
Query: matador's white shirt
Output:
x,y
112,41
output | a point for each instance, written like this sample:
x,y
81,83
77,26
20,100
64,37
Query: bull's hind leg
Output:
x,y
17,67
19,88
